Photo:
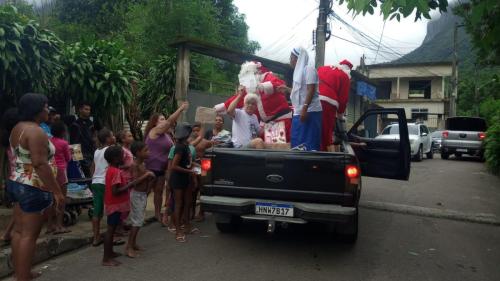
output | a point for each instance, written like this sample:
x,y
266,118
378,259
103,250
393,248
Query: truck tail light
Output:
x,y
352,172
206,164
445,134
481,136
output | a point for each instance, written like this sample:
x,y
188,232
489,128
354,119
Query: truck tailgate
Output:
x,y
284,175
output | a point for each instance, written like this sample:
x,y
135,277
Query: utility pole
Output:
x,y
324,6
454,74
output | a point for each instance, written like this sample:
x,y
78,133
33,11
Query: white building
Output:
x,y
419,88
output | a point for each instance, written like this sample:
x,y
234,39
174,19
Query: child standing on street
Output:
x,y
138,195
125,139
62,157
106,138
179,181
116,201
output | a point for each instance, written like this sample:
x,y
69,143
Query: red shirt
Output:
x,y
63,155
115,203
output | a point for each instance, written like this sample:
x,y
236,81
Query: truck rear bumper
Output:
x,y
305,211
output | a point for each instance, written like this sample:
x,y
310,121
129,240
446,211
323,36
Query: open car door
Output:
x,y
381,143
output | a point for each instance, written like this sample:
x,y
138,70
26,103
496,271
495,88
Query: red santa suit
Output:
x,y
334,86
272,105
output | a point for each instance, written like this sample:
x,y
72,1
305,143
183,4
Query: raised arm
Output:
x,y
163,127
232,107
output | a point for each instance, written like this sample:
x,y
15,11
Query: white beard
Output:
x,y
249,77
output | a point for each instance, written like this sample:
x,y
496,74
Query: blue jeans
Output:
x,y
30,199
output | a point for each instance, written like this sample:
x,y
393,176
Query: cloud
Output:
x,y
279,25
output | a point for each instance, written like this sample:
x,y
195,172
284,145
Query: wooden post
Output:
x,y
182,77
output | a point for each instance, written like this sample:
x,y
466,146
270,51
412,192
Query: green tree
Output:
x,y
481,19
158,88
29,56
99,73
481,22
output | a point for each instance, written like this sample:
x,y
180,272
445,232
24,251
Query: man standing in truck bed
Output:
x,y
334,85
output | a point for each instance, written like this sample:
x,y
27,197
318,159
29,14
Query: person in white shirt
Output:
x,y
246,128
306,120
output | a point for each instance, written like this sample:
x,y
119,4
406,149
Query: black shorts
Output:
x,y
114,218
159,173
178,180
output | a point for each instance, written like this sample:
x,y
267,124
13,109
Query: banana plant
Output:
x,y
29,56
99,73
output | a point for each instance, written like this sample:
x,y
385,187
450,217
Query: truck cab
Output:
x,y
289,186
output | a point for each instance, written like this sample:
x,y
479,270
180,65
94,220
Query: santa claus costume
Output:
x,y
272,104
334,86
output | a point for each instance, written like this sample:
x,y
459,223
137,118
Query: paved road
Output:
x,y
391,246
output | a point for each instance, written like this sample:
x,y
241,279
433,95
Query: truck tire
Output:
x,y
444,155
458,155
348,232
430,154
230,226
420,154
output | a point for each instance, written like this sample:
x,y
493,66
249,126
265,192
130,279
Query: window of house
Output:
x,y
420,89
384,90
419,114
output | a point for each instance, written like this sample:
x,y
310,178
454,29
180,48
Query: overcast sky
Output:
x,y
279,25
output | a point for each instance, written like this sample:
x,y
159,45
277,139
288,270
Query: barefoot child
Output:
x,y
106,138
138,195
116,200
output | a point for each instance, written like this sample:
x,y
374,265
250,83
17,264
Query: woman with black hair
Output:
x,y
32,185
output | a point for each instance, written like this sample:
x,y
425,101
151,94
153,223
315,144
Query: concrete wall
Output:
x,y
199,98
433,107
409,71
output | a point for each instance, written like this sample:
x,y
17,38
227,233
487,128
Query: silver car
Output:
x,y
463,135
420,139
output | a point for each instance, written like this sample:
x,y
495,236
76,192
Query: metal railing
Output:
x,y
213,87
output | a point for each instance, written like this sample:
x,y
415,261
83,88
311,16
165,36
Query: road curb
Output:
x,y
49,247
481,218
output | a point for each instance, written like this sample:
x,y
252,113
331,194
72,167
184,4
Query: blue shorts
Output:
x,y
114,218
308,133
30,199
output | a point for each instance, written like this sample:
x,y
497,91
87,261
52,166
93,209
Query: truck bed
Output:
x,y
299,176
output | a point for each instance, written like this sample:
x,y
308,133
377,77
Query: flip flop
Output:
x,y
194,230
118,242
172,229
61,231
181,239
96,244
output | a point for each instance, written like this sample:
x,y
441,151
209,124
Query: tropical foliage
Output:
x,y
99,73
158,87
29,56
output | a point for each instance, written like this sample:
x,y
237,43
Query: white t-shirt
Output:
x,y
245,128
299,92
101,165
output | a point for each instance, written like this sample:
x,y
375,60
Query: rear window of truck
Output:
x,y
466,124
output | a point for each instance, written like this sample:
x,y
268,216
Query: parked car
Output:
x,y
420,139
436,141
291,186
463,135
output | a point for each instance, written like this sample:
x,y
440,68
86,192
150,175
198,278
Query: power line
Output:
x,y
380,41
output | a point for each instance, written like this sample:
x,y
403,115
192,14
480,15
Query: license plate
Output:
x,y
461,150
271,209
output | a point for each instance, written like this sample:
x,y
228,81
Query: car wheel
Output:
x,y
348,232
444,155
430,154
420,154
230,226
458,155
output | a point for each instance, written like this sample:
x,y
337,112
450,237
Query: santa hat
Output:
x,y
346,62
